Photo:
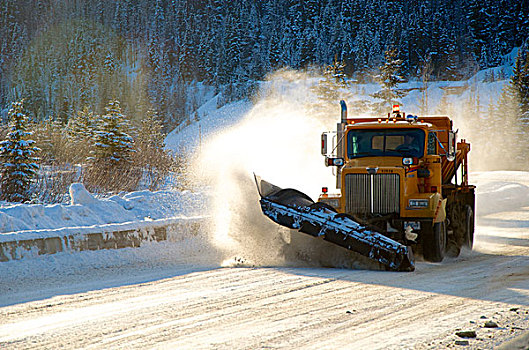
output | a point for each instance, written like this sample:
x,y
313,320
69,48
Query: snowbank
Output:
x,y
499,191
86,210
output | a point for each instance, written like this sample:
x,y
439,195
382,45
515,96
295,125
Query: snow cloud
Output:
x,y
278,139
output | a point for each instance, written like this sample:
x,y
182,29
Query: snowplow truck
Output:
x,y
403,183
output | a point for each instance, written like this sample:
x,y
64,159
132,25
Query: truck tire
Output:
x,y
469,227
434,241
453,249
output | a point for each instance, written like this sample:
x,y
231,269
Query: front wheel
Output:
x,y
434,241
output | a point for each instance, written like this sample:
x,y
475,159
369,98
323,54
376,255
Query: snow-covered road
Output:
x,y
174,295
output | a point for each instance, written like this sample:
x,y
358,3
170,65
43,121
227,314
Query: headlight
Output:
x,y
418,203
337,161
407,161
334,161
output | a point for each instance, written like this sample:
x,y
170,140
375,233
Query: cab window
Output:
x,y
432,143
402,142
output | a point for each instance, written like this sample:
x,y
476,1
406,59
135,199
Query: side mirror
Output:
x,y
324,144
452,141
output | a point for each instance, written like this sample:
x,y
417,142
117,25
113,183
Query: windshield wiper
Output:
x,y
365,154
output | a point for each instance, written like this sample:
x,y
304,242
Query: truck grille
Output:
x,y
372,194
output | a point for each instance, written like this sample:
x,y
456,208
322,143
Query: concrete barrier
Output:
x,y
24,244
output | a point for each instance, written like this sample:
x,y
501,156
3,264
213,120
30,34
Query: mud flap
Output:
x,y
295,210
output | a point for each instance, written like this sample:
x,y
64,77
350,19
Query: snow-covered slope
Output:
x,y
211,121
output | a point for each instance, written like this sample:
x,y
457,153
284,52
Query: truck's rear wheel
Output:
x,y
453,249
434,241
469,227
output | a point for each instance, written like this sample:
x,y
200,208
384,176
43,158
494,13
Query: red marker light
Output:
x,y
324,189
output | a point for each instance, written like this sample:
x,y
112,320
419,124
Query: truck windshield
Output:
x,y
385,142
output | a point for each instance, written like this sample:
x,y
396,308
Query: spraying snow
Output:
x,y
279,140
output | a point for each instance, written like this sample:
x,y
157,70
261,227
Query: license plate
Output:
x,y
415,225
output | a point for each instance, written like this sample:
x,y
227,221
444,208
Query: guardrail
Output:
x,y
25,244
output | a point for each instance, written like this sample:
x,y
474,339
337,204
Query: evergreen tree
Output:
x,y
389,78
508,103
443,48
112,142
419,27
522,21
361,53
330,89
479,19
150,135
17,155
110,162
520,84
506,30
512,104
513,136
80,130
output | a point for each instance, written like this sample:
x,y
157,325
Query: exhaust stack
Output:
x,y
344,111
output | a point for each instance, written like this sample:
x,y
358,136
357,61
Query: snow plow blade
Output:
x,y
296,210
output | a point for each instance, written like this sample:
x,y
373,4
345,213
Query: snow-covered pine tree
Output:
x,y
389,78
110,162
80,131
522,21
81,127
479,18
506,29
520,83
159,47
510,106
113,144
272,29
419,23
444,51
330,89
348,25
515,101
18,167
